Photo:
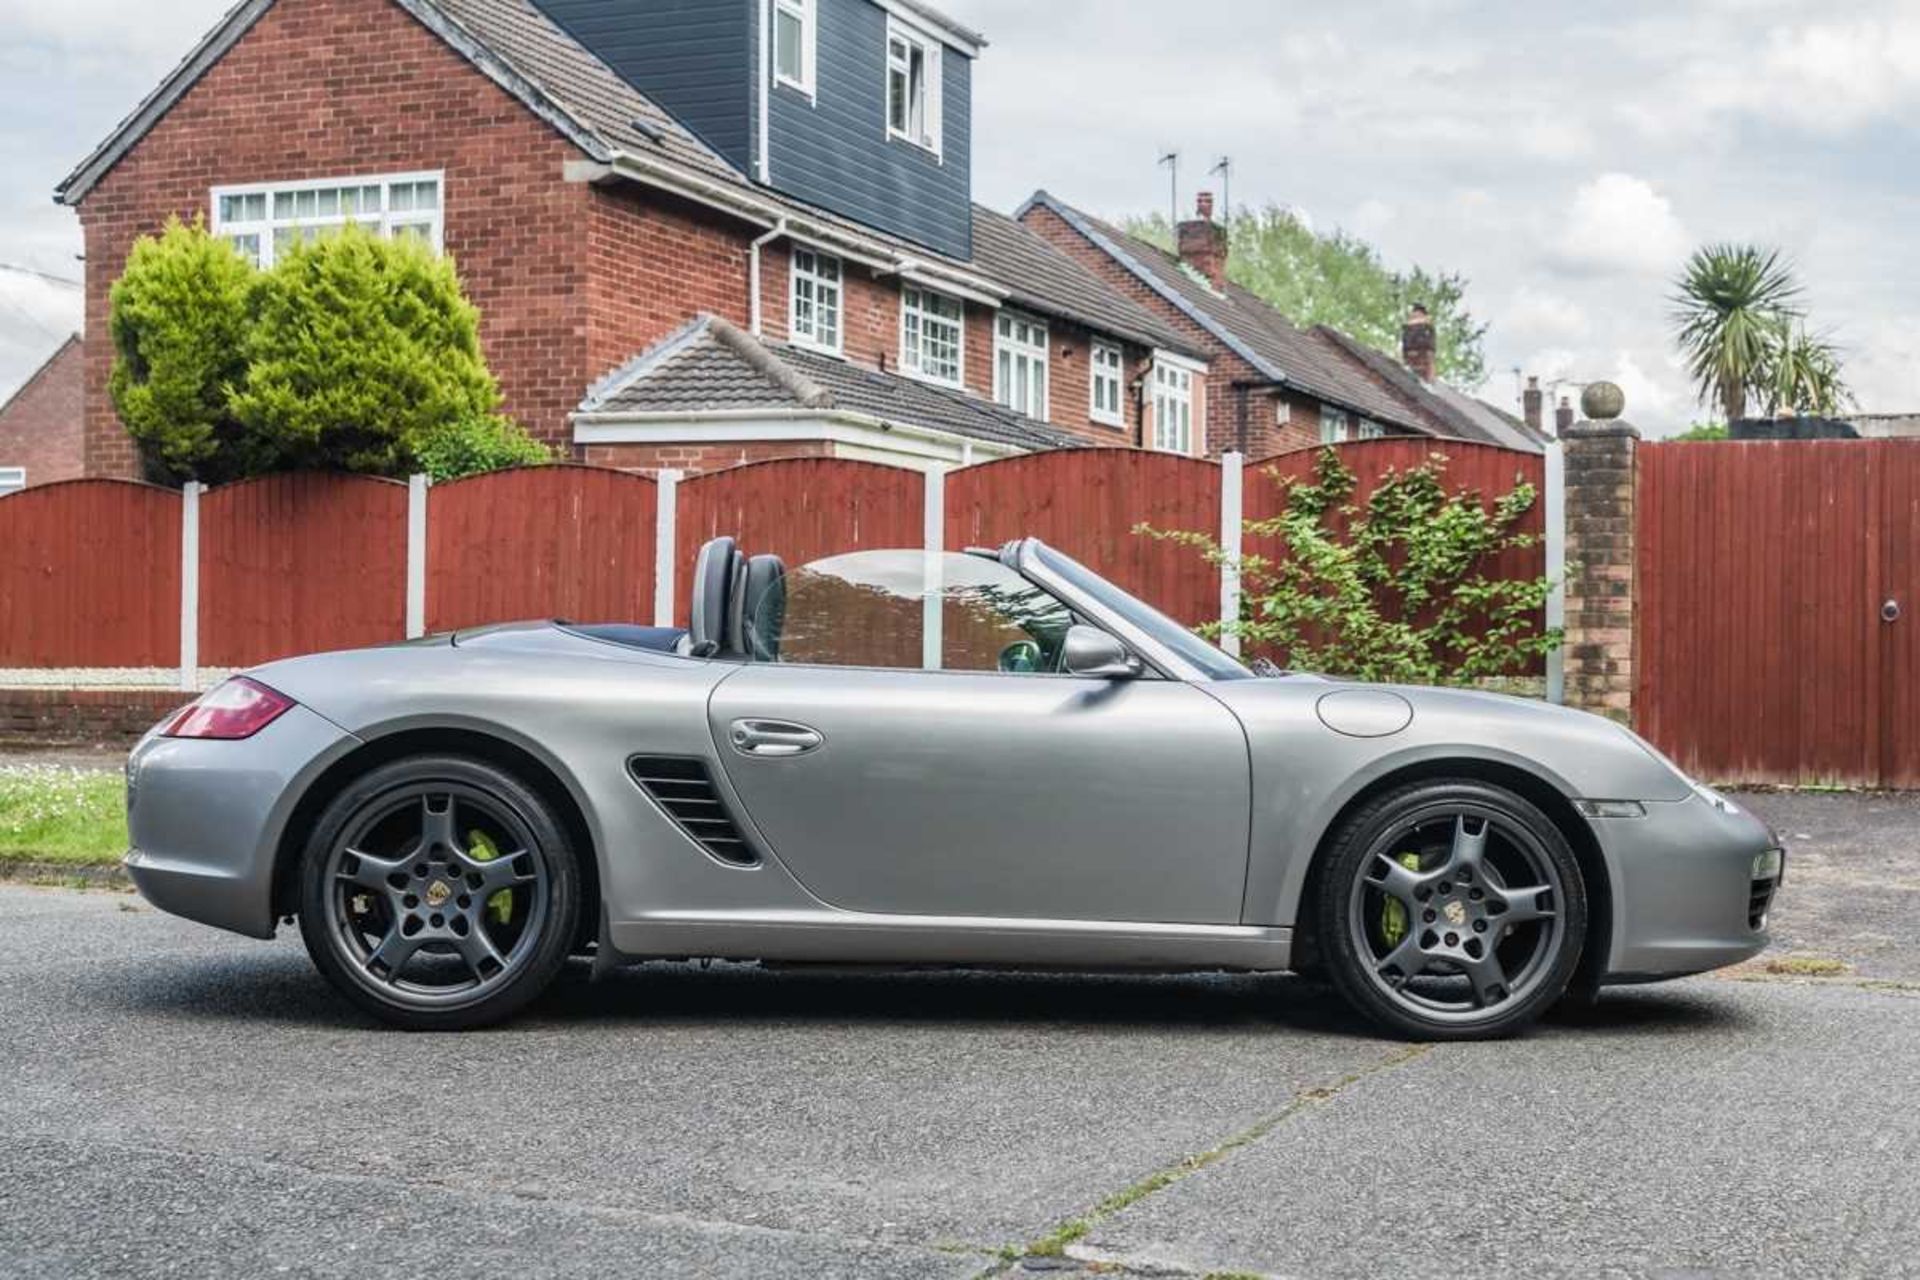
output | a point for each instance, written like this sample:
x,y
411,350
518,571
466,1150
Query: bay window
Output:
x,y
1333,424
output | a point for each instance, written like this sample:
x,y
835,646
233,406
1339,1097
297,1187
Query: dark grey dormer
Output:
x,y
867,104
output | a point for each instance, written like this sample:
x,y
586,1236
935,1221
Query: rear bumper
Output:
x,y
1685,894
205,817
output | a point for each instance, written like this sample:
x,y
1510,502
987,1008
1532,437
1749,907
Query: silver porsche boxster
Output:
x,y
995,758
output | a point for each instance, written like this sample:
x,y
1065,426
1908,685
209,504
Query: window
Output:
x,y
1020,365
931,326
1371,430
1172,408
12,478
793,44
1282,411
263,219
901,608
814,320
1333,424
1108,375
913,87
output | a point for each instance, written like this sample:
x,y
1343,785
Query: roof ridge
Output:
x,y
763,361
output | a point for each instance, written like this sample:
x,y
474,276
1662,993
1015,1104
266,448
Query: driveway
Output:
x,y
182,1102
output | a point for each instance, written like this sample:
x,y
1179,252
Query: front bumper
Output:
x,y
205,817
1686,897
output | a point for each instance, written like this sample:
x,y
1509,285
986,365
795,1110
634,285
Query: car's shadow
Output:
x,y
280,987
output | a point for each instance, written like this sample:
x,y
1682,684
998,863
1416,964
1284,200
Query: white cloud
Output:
x,y
1536,315
1827,77
109,26
1619,223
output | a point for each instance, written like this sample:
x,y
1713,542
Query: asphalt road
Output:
x,y
178,1102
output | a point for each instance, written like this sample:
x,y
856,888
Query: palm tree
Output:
x,y
1804,376
1729,308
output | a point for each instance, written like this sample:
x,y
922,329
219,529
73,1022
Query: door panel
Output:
x,y
951,793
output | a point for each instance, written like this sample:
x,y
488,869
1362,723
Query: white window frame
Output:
x,y
1020,340
1336,425
1369,430
803,12
12,479
1107,366
930,48
383,222
1282,411
912,352
818,283
1174,383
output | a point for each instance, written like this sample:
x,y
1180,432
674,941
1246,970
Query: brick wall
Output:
x,y
84,716
332,88
41,427
695,458
1599,459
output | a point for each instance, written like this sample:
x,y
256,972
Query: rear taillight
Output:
x,y
238,708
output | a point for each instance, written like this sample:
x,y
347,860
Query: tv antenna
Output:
x,y
1224,167
1172,160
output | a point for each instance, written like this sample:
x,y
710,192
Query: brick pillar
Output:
x,y
1599,589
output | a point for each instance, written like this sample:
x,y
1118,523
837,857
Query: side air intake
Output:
x,y
684,790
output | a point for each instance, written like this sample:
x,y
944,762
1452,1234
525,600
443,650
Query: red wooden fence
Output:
x,y
301,562
297,563
1087,502
90,576
1761,654
540,542
799,509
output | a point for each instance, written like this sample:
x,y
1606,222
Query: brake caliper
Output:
x,y
481,848
1393,912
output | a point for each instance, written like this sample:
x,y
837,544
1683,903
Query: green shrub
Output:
x,y
1394,588
360,349
472,445
179,316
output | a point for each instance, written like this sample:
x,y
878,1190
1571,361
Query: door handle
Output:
x,y
773,738
1890,611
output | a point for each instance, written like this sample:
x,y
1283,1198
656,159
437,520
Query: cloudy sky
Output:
x,y
1563,156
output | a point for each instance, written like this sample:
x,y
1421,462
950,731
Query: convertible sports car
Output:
x,y
901,757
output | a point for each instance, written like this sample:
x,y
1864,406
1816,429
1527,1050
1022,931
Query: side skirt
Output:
x,y
848,937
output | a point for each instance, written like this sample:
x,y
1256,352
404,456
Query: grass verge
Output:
x,y
56,814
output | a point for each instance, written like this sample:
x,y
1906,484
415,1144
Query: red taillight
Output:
x,y
239,708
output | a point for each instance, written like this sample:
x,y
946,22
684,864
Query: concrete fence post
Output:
x,y
933,536
416,556
1233,473
1556,522
190,584
1598,462
666,497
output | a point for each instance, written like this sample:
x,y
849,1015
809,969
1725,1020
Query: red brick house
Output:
x,y
591,225
40,424
1272,385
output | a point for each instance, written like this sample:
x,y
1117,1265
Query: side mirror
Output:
x,y
1092,652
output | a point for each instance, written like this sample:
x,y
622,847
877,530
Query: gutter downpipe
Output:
x,y
753,270
764,93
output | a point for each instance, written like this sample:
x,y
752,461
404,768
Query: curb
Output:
x,y
68,874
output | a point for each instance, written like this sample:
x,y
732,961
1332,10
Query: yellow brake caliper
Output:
x,y
481,848
1393,913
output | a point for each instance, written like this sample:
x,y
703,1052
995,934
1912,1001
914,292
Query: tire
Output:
x,y
1451,910
439,893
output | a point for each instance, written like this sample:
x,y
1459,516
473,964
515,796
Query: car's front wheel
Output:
x,y
439,893
1451,910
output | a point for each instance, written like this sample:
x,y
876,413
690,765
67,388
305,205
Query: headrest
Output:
x,y
764,611
713,595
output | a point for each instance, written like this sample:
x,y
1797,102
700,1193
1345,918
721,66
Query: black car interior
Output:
x,y
739,607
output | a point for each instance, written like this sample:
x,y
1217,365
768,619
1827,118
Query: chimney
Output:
x,y
1562,417
1416,343
1203,243
1533,404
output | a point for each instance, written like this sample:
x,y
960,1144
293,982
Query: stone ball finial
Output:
x,y
1602,401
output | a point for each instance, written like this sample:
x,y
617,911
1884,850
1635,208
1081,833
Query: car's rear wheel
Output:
x,y
439,893
1451,910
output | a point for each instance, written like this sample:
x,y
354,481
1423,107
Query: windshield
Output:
x,y
1192,648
